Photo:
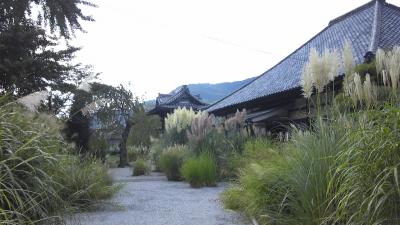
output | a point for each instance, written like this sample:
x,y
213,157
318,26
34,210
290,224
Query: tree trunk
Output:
x,y
123,152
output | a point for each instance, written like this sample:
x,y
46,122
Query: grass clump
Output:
x,y
83,182
140,167
38,179
200,171
171,161
262,190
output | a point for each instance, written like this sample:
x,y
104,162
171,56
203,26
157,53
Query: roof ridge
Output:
x,y
375,32
259,76
291,54
344,16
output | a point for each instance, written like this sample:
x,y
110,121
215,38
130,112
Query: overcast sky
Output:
x,y
157,45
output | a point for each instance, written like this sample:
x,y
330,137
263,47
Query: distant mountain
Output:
x,y
211,93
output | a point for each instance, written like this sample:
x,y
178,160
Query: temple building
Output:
x,y
167,103
274,99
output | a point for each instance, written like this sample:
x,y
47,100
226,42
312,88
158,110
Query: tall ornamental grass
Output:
x,y
345,168
38,179
262,189
366,179
171,161
200,171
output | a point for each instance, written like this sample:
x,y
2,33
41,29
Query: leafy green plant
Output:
x,y
140,167
155,153
138,152
171,161
366,181
312,158
27,191
83,182
38,179
262,190
200,171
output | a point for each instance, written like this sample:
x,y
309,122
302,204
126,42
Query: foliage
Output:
x,y
77,129
83,182
116,109
262,190
179,120
98,145
24,69
143,129
63,16
344,169
171,161
156,152
313,160
38,177
366,181
206,134
200,171
27,192
138,152
140,167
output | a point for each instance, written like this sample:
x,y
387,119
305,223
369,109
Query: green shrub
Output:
x,y
312,158
366,181
262,190
27,144
83,182
171,161
155,153
37,178
138,152
200,171
140,167
112,161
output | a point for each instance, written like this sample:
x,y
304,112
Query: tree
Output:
x,y
59,15
118,107
77,127
144,127
29,63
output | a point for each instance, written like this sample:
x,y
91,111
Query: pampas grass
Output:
x,y
33,101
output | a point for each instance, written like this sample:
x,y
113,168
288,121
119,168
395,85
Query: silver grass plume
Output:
x,y
368,91
358,87
394,66
33,101
349,65
334,65
380,59
307,81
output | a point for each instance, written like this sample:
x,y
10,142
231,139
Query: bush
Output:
x,y
138,152
38,179
155,153
171,161
366,181
262,190
140,167
28,143
200,171
312,158
83,182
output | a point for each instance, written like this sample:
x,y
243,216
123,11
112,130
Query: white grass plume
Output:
x,y
33,101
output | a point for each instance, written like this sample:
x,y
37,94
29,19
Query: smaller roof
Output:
x,y
179,98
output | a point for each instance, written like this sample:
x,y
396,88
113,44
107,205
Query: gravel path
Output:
x,y
152,200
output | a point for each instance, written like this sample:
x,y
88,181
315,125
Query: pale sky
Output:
x,y
157,45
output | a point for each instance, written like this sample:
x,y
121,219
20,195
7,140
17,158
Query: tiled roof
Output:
x,y
371,26
179,98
